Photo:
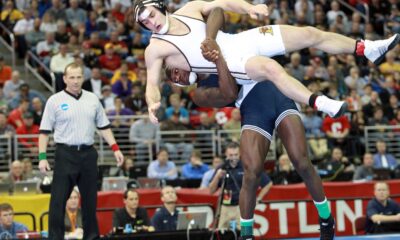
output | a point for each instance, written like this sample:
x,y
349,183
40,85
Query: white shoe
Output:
x,y
375,50
331,107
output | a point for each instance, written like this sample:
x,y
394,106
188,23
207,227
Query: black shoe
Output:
x,y
327,228
246,238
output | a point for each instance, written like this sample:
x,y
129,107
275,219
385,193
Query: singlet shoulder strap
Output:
x,y
186,18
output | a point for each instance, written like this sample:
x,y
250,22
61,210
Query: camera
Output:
x,y
226,165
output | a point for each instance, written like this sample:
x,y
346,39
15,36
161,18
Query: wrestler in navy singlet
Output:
x,y
262,105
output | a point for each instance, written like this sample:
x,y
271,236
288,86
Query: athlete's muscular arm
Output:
x,y
201,9
238,6
215,22
210,97
227,84
225,94
153,96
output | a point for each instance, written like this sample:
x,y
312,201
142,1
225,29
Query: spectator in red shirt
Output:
x,y
120,47
337,131
117,12
28,127
109,61
396,121
5,71
15,116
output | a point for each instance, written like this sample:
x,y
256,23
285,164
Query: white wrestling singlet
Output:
x,y
236,48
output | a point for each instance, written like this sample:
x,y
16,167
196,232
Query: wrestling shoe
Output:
x,y
375,50
327,228
246,238
331,107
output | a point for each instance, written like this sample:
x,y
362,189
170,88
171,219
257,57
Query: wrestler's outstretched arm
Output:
x,y
153,97
238,6
203,8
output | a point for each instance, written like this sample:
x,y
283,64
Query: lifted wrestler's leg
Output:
x,y
335,43
260,68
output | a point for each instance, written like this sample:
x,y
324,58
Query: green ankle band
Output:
x,y
247,223
323,209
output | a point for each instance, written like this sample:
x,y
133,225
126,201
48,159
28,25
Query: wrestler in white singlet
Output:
x,y
236,48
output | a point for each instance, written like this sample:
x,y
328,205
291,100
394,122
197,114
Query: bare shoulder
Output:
x,y
158,49
191,9
150,53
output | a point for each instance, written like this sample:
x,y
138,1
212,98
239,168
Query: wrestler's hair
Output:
x,y
139,6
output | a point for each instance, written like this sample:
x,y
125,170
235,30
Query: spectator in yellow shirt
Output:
x,y
390,66
124,68
10,15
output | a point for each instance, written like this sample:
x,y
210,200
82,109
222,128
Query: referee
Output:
x,y
74,114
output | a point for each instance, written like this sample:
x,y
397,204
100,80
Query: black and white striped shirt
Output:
x,y
73,118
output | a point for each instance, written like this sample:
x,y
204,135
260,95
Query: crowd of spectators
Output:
x,y
104,38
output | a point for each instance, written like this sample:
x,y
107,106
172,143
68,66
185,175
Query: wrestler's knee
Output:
x,y
303,164
314,35
250,177
252,169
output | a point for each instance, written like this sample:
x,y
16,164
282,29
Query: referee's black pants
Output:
x,y
74,167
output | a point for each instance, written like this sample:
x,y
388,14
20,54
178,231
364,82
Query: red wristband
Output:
x,y
114,147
